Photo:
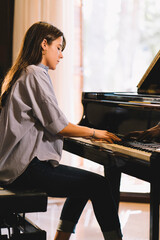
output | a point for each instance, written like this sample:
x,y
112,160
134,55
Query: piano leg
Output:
x,y
154,213
114,176
154,199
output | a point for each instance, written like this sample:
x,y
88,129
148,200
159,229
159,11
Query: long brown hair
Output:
x,y
30,53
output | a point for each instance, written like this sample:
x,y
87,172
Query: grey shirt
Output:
x,y
29,123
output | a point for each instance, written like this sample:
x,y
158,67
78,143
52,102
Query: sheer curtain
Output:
x,y
61,15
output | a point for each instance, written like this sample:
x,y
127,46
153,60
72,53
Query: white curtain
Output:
x,y
61,14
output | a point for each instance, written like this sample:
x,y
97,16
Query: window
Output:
x,y
120,39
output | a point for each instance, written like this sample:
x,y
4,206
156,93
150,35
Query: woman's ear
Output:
x,y
44,44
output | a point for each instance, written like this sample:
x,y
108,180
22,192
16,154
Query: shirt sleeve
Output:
x,y
38,93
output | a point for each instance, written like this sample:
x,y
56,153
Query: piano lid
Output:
x,y
150,82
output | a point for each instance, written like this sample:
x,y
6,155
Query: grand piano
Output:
x,y
122,113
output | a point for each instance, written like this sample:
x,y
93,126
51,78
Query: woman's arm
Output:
x,y
72,130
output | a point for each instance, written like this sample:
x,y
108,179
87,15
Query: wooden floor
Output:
x,y
134,219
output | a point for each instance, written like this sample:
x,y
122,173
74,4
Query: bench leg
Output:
x,y
24,229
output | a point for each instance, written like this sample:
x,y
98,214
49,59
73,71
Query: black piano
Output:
x,y
122,113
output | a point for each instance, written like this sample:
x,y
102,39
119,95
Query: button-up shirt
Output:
x,y
29,123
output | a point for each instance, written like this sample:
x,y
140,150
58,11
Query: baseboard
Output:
x,y
134,197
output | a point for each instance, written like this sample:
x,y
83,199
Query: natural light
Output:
x,y
120,39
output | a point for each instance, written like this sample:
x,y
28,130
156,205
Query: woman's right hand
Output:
x,y
105,135
72,130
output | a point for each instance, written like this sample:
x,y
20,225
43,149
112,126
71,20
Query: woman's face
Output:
x,y
52,53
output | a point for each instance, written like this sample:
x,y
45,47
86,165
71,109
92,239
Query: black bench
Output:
x,y
13,206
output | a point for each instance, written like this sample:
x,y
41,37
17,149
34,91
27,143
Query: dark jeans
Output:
x,y
78,186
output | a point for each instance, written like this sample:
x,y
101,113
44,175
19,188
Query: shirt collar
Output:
x,y
43,66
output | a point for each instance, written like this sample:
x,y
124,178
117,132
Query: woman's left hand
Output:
x,y
151,134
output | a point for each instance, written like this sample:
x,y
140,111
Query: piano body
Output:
x,y
122,113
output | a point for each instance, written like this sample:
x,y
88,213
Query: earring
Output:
x,y
44,52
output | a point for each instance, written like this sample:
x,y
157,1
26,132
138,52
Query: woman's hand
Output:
x,y
72,130
151,134
100,135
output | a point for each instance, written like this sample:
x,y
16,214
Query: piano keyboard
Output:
x,y
135,149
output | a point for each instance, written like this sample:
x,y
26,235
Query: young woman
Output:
x,y
32,128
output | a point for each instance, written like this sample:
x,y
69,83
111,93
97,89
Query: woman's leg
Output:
x,y
62,236
78,186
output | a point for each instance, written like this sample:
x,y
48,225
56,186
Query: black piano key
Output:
x,y
147,147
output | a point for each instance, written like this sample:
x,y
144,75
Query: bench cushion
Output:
x,y
22,201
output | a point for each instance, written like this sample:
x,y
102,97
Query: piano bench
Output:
x,y
13,206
